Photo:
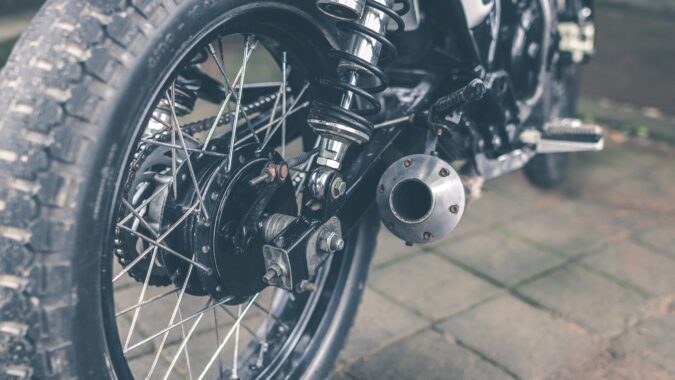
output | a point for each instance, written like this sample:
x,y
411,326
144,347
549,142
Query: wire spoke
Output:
x,y
235,364
140,300
142,205
284,80
166,248
269,313
173,317
183,346
230,92
176,127
268,125
149,300
235,120
228,336
187,353
159,240
220,359
176,324
284,116
168,145
250,331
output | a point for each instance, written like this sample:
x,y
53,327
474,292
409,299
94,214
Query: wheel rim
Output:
x,y
294,318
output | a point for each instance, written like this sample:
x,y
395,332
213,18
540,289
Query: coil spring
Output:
x,y
187,85
355,117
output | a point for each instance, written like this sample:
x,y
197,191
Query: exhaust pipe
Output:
x,y
420,198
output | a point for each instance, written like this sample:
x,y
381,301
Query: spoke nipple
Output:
x,y
306,286
270,275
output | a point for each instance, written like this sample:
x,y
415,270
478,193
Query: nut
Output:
x,y
330,242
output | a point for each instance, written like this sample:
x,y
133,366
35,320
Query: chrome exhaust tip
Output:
x,y
420,198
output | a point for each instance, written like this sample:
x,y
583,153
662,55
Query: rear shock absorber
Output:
x,y
359,76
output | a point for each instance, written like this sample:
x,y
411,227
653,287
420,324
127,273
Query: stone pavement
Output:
x,y
571,284
574,283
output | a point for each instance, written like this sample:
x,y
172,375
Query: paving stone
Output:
x,y
341,374
654,341
527,341
431,285
628,261
518,196
626,158
611,363
378,323
661,238
570,228
503,259
390,248
597,303
425,356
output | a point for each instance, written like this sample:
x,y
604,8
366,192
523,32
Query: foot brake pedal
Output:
x,y
565,135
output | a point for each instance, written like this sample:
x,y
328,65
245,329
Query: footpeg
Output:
x,y
565,135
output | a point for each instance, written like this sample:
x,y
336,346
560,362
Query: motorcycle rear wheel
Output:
x,y
77,91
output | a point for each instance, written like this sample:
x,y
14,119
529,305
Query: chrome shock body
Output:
x,y
343,124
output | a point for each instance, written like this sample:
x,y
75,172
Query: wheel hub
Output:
x,y
227,242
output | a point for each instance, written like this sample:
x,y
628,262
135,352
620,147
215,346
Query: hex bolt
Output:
x,y
444,172
259,179
205,249
427,236
338,188
407,163
454,209
381,189
330,242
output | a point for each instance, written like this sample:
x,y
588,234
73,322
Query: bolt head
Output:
x,y
407,163
444,172
338,188
454,209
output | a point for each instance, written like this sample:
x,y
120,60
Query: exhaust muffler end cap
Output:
x,y
420,198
